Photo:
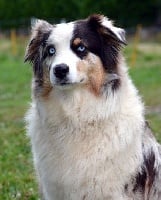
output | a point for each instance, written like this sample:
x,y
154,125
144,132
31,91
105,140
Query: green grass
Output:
x,y
146,74
17,179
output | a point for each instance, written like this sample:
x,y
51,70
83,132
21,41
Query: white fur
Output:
x,y
119,32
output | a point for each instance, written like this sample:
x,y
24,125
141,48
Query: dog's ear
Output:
x,y
40,33
112,39
105,27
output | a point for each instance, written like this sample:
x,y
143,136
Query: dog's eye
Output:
x,y
51,51
81,48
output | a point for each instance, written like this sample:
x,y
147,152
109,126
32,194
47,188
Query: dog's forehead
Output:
x,y
62,33
65,32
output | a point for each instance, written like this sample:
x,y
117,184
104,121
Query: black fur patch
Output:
x,y
144,179
100,41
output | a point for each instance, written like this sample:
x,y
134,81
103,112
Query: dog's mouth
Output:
x,y
64,84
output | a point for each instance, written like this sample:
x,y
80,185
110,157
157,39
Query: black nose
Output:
x,y
61,71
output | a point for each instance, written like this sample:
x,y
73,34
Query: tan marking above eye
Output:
x,y
77,41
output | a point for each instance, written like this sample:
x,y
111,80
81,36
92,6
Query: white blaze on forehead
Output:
x,y
61,33
60,37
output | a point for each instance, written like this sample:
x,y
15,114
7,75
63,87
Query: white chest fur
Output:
x,y
82,153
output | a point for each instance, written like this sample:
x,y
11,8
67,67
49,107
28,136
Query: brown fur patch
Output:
x,y
46,86
95,72
43,87
46,90
77,41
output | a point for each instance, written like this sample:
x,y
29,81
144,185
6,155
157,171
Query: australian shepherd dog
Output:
x,y
89,137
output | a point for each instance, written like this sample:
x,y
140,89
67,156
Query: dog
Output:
x,y
89,137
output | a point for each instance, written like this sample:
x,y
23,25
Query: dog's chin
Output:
x,y
67,85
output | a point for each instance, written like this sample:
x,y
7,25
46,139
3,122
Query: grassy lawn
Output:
x,y
16,171
17,179
146,75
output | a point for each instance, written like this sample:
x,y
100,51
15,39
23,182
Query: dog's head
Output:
x,y
80,53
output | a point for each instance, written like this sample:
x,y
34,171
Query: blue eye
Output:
x,y
81,48
51,51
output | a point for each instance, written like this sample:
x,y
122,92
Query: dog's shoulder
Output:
x,y
146,183
153,166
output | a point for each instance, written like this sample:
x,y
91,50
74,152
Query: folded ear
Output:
x,y
40,33
119,32
105,27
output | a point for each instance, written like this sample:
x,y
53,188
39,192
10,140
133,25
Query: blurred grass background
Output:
x,y
17,179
